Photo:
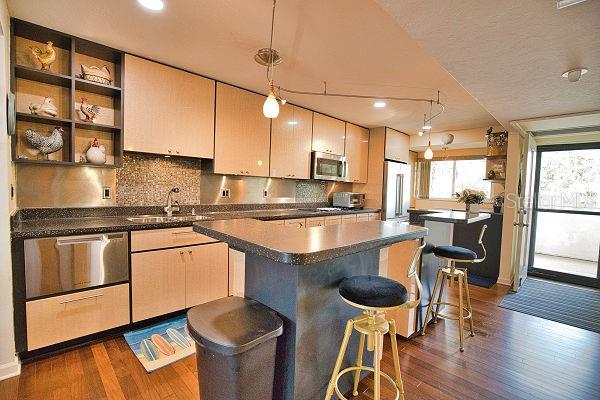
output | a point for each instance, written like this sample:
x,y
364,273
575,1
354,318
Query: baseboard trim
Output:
x,y
10,369
506,282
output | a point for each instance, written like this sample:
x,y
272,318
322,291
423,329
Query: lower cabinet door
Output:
x,y
206,273
157,282
61,318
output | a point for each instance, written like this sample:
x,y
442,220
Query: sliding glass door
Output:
x,y
566,214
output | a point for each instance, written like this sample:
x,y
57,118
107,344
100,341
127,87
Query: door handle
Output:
x,y
81,298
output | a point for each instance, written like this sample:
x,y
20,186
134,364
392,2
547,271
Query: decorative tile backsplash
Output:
x,y
145,180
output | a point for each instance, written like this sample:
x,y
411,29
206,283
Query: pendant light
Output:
x,y
271,106
429,152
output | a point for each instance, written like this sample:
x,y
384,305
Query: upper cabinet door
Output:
x,y
396,145
329,134
167,111
357,153
242,133
291,135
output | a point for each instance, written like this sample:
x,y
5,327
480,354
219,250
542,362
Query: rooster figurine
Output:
x,y
46,108
89,111
46,57
45,144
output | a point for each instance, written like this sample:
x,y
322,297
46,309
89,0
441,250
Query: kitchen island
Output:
x,y
296,272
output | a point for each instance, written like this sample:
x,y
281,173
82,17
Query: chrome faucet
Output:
x,y
172,206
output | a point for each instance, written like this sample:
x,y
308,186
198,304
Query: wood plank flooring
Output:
x,y
513,356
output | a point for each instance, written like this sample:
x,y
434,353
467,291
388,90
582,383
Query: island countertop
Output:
x,y
455,217
311,245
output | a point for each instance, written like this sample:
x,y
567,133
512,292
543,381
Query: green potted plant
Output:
x,y
498,202
472,199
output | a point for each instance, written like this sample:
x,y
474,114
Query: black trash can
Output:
x,y
235,348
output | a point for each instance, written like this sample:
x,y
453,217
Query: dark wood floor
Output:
x,y
512,356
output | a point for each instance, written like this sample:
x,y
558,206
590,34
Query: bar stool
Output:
x,y
374,295
454,254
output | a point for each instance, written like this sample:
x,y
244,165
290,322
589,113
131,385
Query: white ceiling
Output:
x,y
352,44
510,54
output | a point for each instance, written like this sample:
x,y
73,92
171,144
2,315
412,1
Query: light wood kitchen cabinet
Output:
x,y
347,219
397,145
315,221
291,136
206,273
297,222
167,110
157,283
357,153
329,134
164,238
333,220
60,318
242,133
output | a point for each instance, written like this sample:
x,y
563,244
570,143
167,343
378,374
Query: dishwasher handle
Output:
x,y
79,240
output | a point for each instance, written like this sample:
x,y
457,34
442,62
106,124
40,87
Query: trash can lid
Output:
x,y
233,325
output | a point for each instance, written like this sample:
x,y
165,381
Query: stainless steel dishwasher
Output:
x,y
62,264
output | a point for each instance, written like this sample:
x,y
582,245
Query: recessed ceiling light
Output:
x,y
154,5
379,104
573,75
292,122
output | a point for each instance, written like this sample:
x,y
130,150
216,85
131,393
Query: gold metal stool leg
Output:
x,y
361,347
469,302
440,298
430,306
461,320
399,383
338,362
377,366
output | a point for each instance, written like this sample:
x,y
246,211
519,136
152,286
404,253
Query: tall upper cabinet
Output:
x,y
397,145
291,134
357,153
242,133
329,134
167,110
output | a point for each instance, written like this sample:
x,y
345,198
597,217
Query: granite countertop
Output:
x,y
307,246
455,217
81,225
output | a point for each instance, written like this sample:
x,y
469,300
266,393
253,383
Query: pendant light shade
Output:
x,y
429,152
271,107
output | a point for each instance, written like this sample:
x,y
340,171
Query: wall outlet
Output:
x,y
106,193
225,193
265,193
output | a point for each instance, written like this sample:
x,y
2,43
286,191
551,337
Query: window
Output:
x,y
451,176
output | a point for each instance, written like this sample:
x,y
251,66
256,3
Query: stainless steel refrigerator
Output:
x,y
396,191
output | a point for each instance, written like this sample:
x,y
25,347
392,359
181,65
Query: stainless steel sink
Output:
x,y
149,219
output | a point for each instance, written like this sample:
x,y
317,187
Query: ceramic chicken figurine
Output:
x,y
89,111
96,154
45,144
46,108
95,74
46,57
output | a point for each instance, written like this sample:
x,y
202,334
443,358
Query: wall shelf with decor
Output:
x,y
50,82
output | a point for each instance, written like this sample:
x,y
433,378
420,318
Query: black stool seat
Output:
x,y
455,252
373,291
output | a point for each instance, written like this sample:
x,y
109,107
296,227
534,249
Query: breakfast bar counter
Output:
x,y
296,273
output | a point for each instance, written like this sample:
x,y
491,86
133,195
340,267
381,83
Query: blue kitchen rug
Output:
x,y
161,344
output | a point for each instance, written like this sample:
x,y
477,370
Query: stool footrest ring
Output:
x,y
363,368
444,316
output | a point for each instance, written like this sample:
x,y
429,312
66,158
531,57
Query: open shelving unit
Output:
x,y
497,143
66,85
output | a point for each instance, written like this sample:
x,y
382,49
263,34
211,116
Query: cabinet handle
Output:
x,y
247,172
181,253
190,252
169,151
177,151
82,298
182,233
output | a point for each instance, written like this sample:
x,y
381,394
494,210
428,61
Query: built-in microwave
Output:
x,y
329,167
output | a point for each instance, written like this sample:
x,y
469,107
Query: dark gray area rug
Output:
x,y
568,304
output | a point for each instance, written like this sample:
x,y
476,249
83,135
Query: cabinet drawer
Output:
x,y
57,319
333,220
374,216
362,217
165,238
298,222
346,219
315,221
277,222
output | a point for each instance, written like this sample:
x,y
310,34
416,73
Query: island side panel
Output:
x,y
321,321
275,285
